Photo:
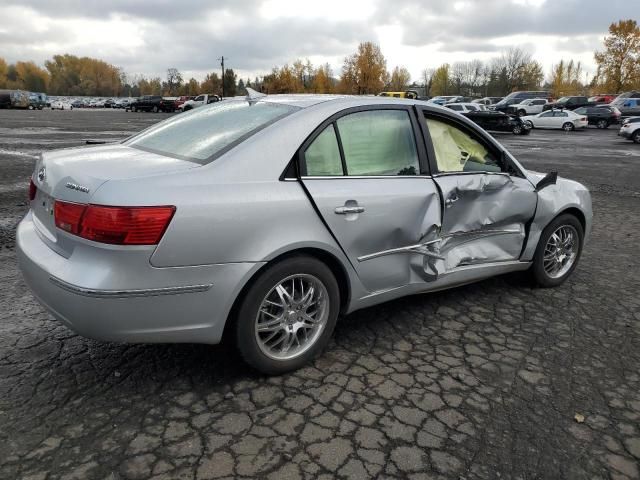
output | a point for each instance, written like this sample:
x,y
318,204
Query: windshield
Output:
x,y
209,131
563,99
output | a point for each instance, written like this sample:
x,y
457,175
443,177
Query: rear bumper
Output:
x,y
99,298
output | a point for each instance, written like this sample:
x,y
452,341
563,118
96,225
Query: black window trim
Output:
x,y
417,135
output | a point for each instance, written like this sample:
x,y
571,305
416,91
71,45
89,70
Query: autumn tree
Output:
x,y
364,72
174,81
3,73
322,81
565,78
618,66
71,75
441,80
400,78
211,84
192,87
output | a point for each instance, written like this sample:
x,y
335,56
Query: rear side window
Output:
x,y
378,142
322,157
209,131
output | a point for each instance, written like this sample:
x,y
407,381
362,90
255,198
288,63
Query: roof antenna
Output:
x,y
253,96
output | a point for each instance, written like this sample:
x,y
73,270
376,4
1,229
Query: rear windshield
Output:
x,y
207,132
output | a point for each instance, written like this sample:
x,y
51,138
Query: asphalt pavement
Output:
x,y
491,380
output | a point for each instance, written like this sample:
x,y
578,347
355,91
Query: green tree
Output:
x,y
441,80
211,84
229,82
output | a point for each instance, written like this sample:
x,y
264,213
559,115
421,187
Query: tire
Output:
x,y
155,109
636,136
265,351
602,124
517,129
541,275
530,123
568,127
187,108
133,109
522,113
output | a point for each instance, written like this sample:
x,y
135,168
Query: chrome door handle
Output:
x,y
347,210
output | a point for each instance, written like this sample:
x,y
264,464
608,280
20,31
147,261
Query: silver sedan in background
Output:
x,y
270,216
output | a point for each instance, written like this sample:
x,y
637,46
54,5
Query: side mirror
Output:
x,y
549,179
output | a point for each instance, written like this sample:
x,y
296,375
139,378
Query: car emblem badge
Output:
x,y
75,186
42,174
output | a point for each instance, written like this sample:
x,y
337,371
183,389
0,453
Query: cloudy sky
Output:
x,y
148,36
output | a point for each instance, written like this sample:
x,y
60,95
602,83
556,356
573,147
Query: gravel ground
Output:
x,y
483,381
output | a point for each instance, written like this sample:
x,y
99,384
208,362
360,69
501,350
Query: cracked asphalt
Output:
x,y
479,382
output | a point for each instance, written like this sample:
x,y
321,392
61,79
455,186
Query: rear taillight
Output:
x,y
114,225
32,190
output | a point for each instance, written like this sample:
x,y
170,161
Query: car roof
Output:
x,y
305,100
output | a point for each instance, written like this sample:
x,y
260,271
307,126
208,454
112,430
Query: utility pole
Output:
x,y
222,64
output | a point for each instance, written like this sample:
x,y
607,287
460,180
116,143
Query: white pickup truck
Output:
x,y
200,100
531,106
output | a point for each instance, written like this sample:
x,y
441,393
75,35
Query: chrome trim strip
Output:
x,y
487,232
350,177
147,292
420,248
478,172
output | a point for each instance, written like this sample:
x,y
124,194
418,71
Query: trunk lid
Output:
x,y
74,174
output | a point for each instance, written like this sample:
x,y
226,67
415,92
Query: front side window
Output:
x,y
457,151
208,131
322,157
378,142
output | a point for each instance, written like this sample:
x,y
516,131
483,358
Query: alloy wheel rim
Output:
x,y
292,316
567,127
561,251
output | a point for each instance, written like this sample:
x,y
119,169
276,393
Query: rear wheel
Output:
x,y
568,127
636,136
517,129
522,113
133,109
288,314
558,251
602,124
155,109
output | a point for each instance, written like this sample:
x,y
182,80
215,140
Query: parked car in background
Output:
x,y
531,106
60,105
620,99
5,98
188,227
19,99
180,100
200,100
408,94
602,98
516,97
487,100
121,103
567,120
151,103
109,103
629,107
442,99
77,104
465,107
37,101
499,122
601,115
630,129
568,103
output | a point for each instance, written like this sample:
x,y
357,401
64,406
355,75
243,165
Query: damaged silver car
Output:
x,y
268,217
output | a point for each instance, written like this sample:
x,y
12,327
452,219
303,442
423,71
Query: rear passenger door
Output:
x,y
368,178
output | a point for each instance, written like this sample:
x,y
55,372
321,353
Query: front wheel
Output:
x,y
522,113
155,109
602,124
636,136
529,124
568,127
288,314
517,129
558,251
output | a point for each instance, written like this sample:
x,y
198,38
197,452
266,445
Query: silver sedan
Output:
x,y
268,217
